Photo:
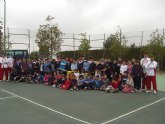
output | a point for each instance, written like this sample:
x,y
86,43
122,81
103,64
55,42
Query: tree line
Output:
x,y
49,40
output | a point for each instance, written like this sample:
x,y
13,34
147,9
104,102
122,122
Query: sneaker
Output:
x,y
31,82
155,92
108,91
141,90
136,90
77,89
53,85
132,91
148,91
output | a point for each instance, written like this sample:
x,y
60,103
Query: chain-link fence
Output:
x,y
25,39
71,41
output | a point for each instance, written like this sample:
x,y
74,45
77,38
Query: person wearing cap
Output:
x,y
151,75
143,63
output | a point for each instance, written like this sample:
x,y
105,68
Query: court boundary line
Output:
x,y
48,108
161,90
9,97
121,116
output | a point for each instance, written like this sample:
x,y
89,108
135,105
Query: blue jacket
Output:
x,y
63,64
86,65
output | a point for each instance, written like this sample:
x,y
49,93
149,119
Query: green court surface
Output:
x,y
161,82
22,103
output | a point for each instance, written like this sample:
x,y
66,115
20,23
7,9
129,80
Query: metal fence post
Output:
x,y
163,46
141,44
74,55
89,45
29,41
8,37
4,26
163,36
104,46
120,43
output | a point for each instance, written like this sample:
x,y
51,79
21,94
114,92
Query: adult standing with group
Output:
x,y
143,63
151,75
149,66
6,65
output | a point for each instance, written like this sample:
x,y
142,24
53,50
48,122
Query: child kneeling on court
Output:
x,y
97,82
67,83
74,83
123,79
46,79
89,83
129,86
81,82
59,79
113,87
104,82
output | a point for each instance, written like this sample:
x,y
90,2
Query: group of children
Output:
x,y
106,75
75,80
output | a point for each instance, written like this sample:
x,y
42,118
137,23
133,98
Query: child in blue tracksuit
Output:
x,y
63,66
47,67
89,82
86,66
97,82
81,82
123,80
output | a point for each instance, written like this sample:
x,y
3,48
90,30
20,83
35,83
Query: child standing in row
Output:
x,y
137,74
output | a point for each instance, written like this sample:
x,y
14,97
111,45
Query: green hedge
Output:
x,y
126,54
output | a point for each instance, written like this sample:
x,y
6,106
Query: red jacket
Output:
x,y
115,85
66,85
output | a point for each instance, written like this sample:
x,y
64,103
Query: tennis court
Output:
x,y
22,103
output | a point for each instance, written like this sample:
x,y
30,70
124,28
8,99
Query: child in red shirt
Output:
x,y
67,83
58,80
113,88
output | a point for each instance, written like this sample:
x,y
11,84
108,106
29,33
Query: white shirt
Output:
x,y
77,74
1,60
130,82
123,68
4,62
41,67
151,68
10,62
143,63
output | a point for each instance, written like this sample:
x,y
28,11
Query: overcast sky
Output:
x,y
91,16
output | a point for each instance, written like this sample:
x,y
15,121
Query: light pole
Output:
x,y
120,39
0,40
4,24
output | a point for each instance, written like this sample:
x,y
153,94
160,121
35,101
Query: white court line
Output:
x,y
8,97
162,90
46,107
117,118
